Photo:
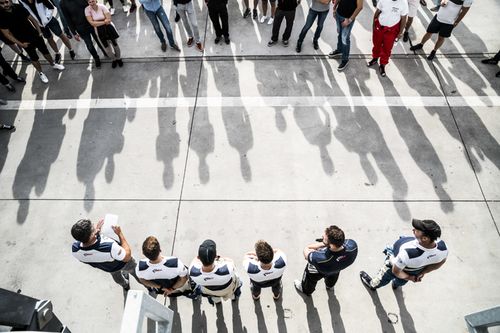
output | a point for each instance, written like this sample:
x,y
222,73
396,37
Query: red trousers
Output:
x,y
383,41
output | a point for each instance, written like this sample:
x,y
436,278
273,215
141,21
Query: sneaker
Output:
x,y
423,3
366,279
7,127
271,20
43,77
382,70
120,63
112,11
125,8
98,63
57,58
334,53
285,42
254,14
24,57
394,286
114,64
374,3
217,39
343,65
9,87
489,61
263,19
431,55
298,286
246,13
58,67
227,40
417,47
20,79
255,298
175,47
132,8
315,44
372,62
177,17
163,46
199,46
406,36
190,41
72,54
298,48
278,295
272,43
434,9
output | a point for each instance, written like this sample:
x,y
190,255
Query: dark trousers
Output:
x,y
87,36
7,71
497,56
218,15
275,285
289,16
309,280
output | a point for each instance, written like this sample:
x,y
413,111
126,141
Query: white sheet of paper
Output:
x,y
106,230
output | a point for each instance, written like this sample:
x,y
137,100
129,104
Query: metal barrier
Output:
x,y
480,321
140,305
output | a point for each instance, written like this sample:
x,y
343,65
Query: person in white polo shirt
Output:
x,y
450,13
265,268
162,275
410,258
388,23
213,275
102,252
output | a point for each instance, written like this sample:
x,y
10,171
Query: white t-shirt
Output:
x,y
258,274
165,273
391,11
448,14
220,276
105,254
413,257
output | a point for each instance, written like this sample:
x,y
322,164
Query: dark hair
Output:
x,y
151,248
264,252
335,235
82,230
207,252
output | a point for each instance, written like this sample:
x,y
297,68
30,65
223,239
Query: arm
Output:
x,y
311,248
431,268
150,284
107,20
324,2
123,243
461,15
94,23
402,274
402,24
359,6
35,24
9,36
375,17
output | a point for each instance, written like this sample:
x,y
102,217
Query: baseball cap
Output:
x,y
429,227
207,252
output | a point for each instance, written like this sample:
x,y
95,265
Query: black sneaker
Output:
x,y
343,65
334,53
120,62
272,43
374,3
254,14
7,127
406,36
431,55
227,40
393,285
57,58
315,44
372,62
489,61
20,79
217,39
366,279
72,54
9,87
285,42
97,63
177,17
382,70
246,13
298,48
114,64
417,47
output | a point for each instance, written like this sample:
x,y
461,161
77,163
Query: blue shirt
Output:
x,y
151,5
328,262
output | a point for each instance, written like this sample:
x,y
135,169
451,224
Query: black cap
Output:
x,y
207,252
429,227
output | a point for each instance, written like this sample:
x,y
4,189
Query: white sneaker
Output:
x,y
263,19
43,77
125,8
58,66
271,20
298,285
112,11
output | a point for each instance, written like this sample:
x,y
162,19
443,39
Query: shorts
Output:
x,y
444,29
52,27
413,7
39,44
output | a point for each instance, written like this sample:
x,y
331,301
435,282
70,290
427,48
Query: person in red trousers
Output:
x,y
389,21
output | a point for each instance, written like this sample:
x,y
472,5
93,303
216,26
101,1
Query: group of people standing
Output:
x,y
214,277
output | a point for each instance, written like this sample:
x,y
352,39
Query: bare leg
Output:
x,y
408,23
264,7
439,43
53,44
273,8
425,38
49,58
37,66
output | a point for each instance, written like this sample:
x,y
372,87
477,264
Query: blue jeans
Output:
x,y
162,16
311,16
344,37
385,276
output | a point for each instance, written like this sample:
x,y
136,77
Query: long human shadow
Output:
x,y
220,322
385,324
419,146
359,133
198,319
236,119
280,313
6,117
405,316
237,324
202,136
177,323
313,320
334,306
261,321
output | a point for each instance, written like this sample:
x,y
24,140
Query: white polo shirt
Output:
x,y
166,273
258,274
217,279
411,256
448,14
391,11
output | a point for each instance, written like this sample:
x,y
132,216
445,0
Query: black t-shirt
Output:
x,y
17,22
328,262
346,8
287,5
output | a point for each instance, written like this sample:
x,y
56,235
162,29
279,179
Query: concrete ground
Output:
x,y
248,142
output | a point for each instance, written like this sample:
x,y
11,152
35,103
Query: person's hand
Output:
x,y
167,291
99,225
117,229
77,37
23,45
443,3
399,37
419,278
346,22
456,23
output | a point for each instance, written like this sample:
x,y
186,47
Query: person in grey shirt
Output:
x,y
319,9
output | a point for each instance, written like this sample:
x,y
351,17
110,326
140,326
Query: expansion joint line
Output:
x,y
467,153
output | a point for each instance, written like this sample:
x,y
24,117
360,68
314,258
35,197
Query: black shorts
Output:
x,y
52,27
443,29
39,44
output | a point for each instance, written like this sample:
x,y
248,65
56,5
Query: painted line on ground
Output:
x,y
260,101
